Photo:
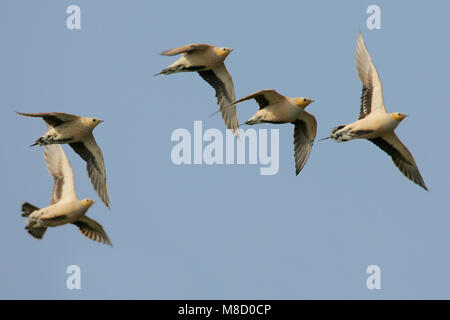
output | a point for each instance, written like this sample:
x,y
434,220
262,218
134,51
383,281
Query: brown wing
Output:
x,y
220,79
53,119
263,97
92,230
185,49
401,157
90,152
304,134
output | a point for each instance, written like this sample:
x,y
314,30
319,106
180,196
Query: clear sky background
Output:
x,y
225,231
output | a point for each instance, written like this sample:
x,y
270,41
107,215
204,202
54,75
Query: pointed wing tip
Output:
x,y
106,201
424,186
360,36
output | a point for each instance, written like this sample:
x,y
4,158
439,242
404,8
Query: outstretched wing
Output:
x,y
186,49
221,81
401,157
304,135
263,97
53,119
92,230
60,169
372,91
90,152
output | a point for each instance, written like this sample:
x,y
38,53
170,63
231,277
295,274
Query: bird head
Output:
x,y
223,51
398,116
303,102
92,122
87,203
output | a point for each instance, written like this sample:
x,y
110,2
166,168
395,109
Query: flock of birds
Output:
x,y
373,124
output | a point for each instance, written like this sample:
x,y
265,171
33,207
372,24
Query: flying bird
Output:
x,y
208,61
278,109
64,206
374,123
77,132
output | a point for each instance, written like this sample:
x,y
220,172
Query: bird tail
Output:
x,y
170,70
180,68
337,128
39,142
33,228
334,134
340,134
35,231
28,209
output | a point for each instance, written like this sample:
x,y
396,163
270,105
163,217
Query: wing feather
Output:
x,y
92,230
372,91
53,119
221,81
60,169
304,135
263,97
90,152
401,157
186,49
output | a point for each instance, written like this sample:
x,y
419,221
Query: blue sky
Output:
x,y
225,231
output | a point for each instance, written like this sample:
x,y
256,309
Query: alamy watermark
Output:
x,y
74,280
374,20
190,148
73,22
374,280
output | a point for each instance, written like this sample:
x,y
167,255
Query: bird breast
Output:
x,y
282,112
378,122
77,130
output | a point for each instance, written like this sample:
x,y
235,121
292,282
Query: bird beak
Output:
x,y
312,100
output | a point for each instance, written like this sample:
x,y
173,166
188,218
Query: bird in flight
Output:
x,y
64,128
208,61
64,206
374,123
278,109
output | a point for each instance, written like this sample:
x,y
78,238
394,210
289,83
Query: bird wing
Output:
x,y
304,134
90,152
186,49
60,169
264,98
372,91
401,157
53,119
221,81
92,230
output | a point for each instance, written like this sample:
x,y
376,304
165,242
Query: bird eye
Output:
x,y
224,49
94,120
304,100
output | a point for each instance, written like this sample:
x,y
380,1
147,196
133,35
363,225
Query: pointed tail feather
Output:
x,y
28,209
37,232
170,70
